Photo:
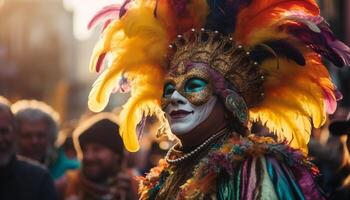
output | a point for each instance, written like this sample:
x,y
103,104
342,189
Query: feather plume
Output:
x,y
261,14
296,98
313,94
179,16
144,102
323,42
107,13
281,48
223,14
102,89
140,60
100,62
103,46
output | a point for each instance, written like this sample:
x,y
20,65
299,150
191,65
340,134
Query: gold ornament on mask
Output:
x,y
223,55
180,79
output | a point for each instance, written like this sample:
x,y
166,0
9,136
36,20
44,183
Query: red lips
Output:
x,y
177,114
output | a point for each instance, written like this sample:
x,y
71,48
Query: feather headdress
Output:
x,y
287,38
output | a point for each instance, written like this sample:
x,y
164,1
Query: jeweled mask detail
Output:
x,y
193,82
224,56
188,96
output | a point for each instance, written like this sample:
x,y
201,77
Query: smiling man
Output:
x,y
103,174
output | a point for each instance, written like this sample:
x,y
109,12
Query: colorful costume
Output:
x,y
262,59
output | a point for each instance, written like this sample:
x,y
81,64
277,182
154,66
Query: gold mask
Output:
x,y
224,56
192,81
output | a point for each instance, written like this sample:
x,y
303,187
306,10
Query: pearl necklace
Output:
x,y
196,150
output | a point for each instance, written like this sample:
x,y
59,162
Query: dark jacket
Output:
x,y
22,180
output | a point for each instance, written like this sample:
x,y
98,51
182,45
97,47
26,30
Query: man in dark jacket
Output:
x,y
20,179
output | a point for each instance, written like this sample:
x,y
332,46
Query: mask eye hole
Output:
x,y
195,85
169,89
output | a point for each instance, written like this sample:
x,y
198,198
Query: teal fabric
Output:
x,y
262,178
285,186
225,188
62,164
267,190
237,184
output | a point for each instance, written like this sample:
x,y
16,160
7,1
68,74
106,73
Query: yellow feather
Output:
x,y
104,44
137,43
294,100
144,101
102,88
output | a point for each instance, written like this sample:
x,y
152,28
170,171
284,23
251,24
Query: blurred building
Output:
x,y
37,50
41,57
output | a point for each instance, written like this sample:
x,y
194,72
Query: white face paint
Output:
x,y
184,116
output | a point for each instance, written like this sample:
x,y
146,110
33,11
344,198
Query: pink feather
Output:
x,y
315,32
107,13
107,22
330,101
100,62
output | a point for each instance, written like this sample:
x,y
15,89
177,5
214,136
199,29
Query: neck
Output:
x,y
210,126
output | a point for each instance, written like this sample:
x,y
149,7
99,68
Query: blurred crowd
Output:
x,y
43,158
82,159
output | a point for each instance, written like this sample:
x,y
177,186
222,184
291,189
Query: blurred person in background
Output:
x,y
103,174
66,158
7,125
156,152
329,147
65,139
20,178
340,181
38,127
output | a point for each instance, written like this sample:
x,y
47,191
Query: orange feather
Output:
x,y
262,13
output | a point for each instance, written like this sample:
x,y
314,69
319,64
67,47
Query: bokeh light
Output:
x,y
83,11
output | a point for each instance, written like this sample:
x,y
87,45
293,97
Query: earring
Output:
x,y
237,106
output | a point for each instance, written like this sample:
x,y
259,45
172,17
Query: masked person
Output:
x,y
206,70
20,178
103,174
